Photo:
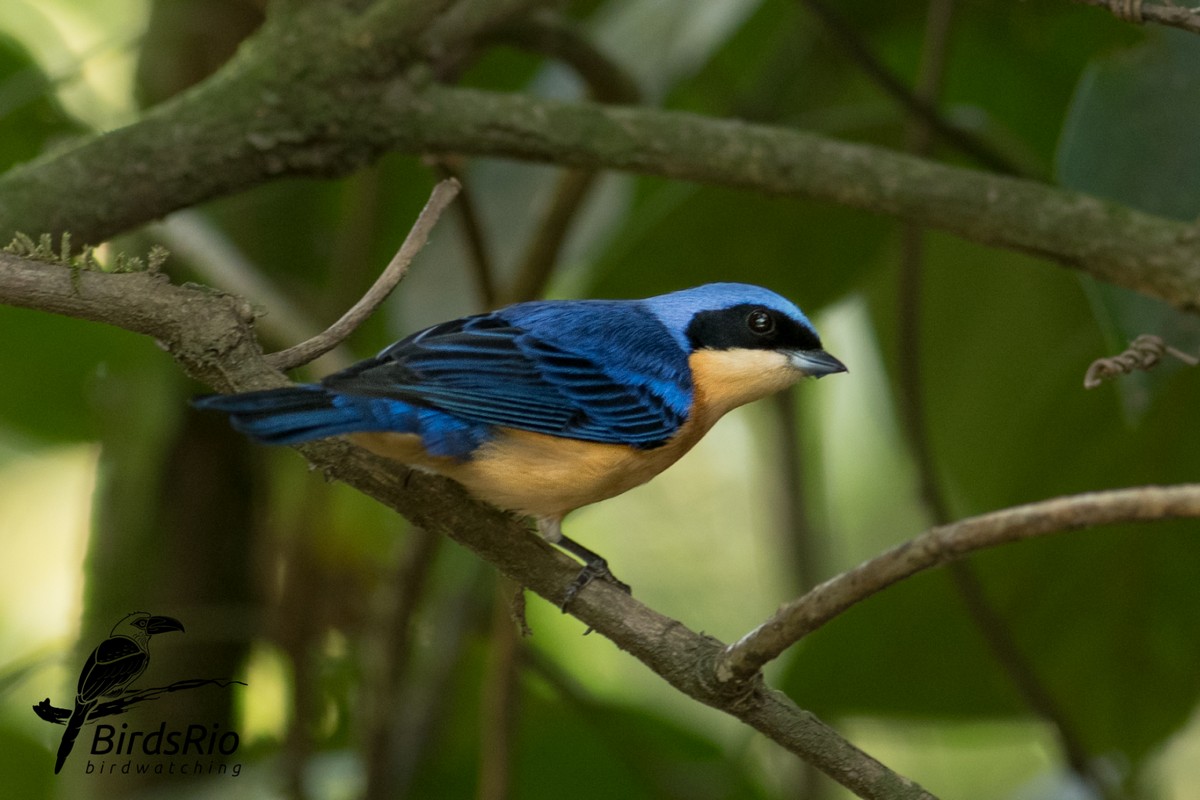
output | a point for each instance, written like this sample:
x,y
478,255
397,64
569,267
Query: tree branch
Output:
x,y
211,336
1152,255
295,100
1148,254
945,544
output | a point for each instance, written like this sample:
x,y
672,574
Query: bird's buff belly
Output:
x,y
537,474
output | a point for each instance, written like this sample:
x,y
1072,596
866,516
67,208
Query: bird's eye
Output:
x,y
760,321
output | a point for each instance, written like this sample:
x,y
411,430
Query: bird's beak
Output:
x,y
163,624
815,363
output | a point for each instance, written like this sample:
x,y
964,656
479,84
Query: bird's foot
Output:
x,y
593,569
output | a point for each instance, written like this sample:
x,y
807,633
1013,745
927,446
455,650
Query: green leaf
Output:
x,y
1130,136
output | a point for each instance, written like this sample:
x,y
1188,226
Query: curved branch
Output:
x,y
218,261
945,544
211,336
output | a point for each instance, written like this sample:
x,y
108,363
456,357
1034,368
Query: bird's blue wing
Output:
x,y
603,372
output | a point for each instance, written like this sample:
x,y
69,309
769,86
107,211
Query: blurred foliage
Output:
x,y
248,548
1129,138
33,119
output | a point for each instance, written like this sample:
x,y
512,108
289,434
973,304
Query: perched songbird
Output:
x,y
113,665
547,406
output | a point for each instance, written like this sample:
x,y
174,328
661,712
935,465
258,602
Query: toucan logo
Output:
x,y
110,672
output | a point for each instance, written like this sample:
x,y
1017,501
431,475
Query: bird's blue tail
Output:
x,y
302,413
296,414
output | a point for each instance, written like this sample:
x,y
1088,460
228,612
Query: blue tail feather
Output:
x,y
302,413
287,416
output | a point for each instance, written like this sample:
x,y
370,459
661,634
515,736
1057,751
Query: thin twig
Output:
x,y
1137,12
942,545
335,334
1144,353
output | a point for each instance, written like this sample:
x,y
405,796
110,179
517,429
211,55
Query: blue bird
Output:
x,y
547,406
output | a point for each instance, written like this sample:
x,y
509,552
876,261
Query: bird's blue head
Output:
x,y
743,317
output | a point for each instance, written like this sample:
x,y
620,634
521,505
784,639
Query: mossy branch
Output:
x,y
46,251
289,105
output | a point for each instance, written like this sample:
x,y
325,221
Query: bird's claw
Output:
x,y
590,572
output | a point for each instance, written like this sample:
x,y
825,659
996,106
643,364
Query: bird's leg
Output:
x,y
594,565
